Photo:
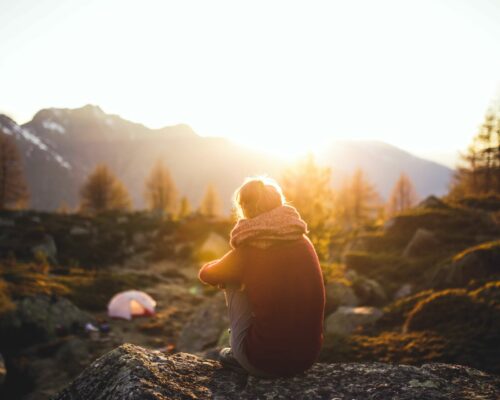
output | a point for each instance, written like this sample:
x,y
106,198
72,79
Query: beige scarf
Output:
x,y
280,224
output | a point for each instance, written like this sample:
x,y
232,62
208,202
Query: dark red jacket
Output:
x,y
286,292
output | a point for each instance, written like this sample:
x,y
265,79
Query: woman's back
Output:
x,y
285,289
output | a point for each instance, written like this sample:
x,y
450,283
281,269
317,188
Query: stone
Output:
x,y
339,294
432,202
346,320
369,292
7,222
41,318
132,372
79,231
214,246
46,247
204,328
479,262
3,370
404,291
422,243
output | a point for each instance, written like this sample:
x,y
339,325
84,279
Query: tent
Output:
x,y
131,303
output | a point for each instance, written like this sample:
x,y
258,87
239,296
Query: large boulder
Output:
x,y
131,372
369,291
423,242
346,320
478,262
339,294
204,328
40,318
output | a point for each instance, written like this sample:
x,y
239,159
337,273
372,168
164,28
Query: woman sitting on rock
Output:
x,y
273,284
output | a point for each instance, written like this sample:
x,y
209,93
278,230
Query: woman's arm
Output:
x,y
226,270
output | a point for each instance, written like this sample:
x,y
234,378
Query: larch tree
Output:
x,y
403,195
307,186
360,201
210,205
184,207
479,173
161,192
102,191
13,189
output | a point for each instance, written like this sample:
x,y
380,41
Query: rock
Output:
x,y
204,328
432,202
478,262
3,371
73,355
345,320
369,292
47,247
79,231
214,246
404,291
339,294
7,222
422,243
131,372
40,318
122,220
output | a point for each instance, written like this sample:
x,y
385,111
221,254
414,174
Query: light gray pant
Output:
x,y
240,318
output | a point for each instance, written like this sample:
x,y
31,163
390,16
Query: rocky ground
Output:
x,y
133,372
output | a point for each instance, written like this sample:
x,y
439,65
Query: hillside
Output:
x,y
60,147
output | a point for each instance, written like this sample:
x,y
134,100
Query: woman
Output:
x,y
274,287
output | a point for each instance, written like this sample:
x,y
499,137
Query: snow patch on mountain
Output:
x,y
54,126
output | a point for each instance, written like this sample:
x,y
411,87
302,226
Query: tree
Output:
x,y
210,204
307,187
357,203
161,192
103,192
13,190
185,207
403,195
479,173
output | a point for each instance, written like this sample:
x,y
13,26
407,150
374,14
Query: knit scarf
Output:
x,y
282,223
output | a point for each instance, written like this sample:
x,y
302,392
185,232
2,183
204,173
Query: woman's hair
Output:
x,y
257,195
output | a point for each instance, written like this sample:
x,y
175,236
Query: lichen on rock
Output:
x,y
133,372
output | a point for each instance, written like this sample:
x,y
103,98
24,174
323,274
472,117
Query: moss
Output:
x,y
396,313
489,294
455,313
489,251
22,280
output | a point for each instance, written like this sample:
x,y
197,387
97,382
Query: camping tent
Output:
x,y
131,303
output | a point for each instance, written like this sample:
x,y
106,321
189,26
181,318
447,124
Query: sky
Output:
x,y
284,76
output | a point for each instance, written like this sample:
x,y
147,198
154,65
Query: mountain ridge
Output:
x,y
61,146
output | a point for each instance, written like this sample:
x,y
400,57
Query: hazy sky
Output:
x,y
284,75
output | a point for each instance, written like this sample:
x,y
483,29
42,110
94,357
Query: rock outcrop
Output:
x,y
131,372
204,328
346,320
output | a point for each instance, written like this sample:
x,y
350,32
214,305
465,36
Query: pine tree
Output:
x,y
403,195
479,173
185,207
210,204
103,192
161,192
13,190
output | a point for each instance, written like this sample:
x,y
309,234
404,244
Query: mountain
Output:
x,y
383,163
60,147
